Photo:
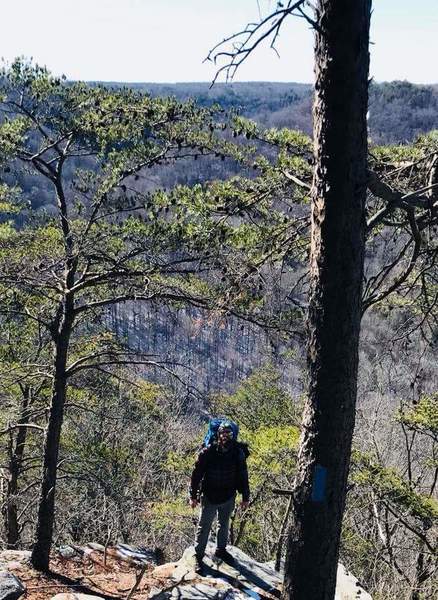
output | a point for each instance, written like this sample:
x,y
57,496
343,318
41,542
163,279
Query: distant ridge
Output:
x,y
399,110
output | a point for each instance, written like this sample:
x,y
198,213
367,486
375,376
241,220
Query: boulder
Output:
x,y
164,571
198,591
348,586
140,554
219,581
11,587
133,555
67,552
244,578
254,576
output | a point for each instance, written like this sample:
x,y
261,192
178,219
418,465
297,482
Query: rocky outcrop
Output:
x,y
11,587
245,578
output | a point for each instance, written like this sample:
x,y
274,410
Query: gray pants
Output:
x,y
206,518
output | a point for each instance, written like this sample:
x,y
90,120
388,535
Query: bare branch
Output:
x,y
377,297
244,42
21,426
396,199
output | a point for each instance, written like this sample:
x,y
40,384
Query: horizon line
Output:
x,y
265,81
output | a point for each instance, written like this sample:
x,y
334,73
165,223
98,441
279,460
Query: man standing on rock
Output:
x,y
220,471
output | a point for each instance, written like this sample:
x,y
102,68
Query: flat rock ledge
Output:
x,y
246,578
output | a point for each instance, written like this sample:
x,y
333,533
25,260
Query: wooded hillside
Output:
x,y
153,271
399,111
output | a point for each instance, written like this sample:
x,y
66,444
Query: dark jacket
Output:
x,y
219,474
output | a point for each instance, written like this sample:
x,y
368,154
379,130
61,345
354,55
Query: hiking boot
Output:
x,y
199,565
224,555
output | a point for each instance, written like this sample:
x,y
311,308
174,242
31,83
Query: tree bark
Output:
x,y
336,268
46,515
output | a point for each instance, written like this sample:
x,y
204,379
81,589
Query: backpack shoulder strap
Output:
x,y
242,449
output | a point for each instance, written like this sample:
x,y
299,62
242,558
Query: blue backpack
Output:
x,y
213,427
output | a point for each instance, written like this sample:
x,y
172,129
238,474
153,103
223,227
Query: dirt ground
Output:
x,y
87,575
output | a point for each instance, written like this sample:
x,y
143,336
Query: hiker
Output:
x,y
220,471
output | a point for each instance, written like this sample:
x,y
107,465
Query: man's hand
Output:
x,y
244,504
193,503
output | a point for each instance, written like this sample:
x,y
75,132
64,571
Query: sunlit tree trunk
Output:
x,y
337,254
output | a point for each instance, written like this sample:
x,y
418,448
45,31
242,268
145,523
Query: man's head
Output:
x,y
225,434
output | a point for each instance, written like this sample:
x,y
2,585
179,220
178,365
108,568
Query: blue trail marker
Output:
x,y
319,484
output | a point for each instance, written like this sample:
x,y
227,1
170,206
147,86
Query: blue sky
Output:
x,y
167,40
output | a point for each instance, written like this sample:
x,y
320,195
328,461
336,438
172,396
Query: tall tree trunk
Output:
x,y
337,253
46,509
61,331
12,525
